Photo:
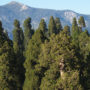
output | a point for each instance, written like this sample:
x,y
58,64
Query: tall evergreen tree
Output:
x,y
52,26
75,32
18,46
81,21
32,53
7,63
2,35
18,37
84,44
43,27
58,25
58,61
28,31
67,30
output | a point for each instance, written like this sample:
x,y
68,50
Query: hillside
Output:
x,y
15,10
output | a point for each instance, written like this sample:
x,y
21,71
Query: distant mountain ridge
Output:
x,y
15,10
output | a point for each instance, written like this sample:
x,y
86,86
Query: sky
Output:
x,y
79,6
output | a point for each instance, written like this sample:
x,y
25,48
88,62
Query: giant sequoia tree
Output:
x,y
75,29
43,27
18,37
28,32
32,53
84,63
58,25
7,63
52,26
57,64
18,46
81,22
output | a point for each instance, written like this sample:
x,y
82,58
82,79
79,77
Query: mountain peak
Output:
x,y
16,10
14,2
20,5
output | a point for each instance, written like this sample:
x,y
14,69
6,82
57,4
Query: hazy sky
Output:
x,y
80,6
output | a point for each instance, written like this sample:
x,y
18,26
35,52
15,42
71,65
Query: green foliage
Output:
x,y
42,26
58,25
7,68
2,35
18,37
7,63
84,44
16,23
61,62
67,30
70,82
1,28
32,53
52,26
81,21
18,45
75,30
28,31
59,50
51,75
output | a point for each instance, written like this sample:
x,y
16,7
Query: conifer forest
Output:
x,y
52,57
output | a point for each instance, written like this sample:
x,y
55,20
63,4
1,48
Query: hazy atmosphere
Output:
x,y
80,6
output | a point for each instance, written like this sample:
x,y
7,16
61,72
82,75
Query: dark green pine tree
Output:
x,y
28,31
57,64
81,23
67,30
32,53
2,35
7,63
58,25
84,62
18,39
43,27
75,32
52,26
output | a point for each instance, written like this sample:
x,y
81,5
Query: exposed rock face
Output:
x,y
15,10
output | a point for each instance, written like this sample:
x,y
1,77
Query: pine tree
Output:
x,y
57,62
58,25
43,27
18,37
84,44
52,26
7,63
75,32
67,30
81,22
18,46
28,31
75,29
2,35
32,53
